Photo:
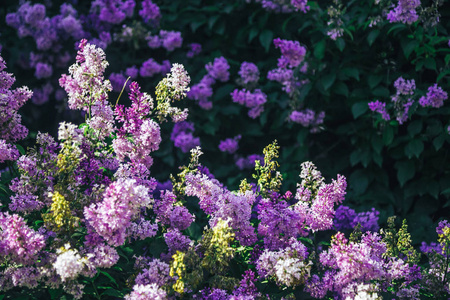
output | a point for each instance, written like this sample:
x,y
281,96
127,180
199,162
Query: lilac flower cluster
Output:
x,y
249,73
11,129
289,266
346,218
254,100
404,12
150,12
293,55
113,12
194,50
217,70
170,40
121,204
87,89
354,268
230,145
308,118
18,242
379,107
435,97
221,204
249,161
138,136
284,6
402,101
182,136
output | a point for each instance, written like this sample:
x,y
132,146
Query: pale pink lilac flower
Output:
x,y
69,264
121,204
18,242
145,292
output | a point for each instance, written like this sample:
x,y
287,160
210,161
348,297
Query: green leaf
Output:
x,y
359,109
377,143
341,89
112,280
408,47
388,135
113,293
381,92
21,150
359,181
405,171
415,127
328,80
319,49
438,142
351,72
447,59
252,34
430,63
372,36
374,80
414,148
265,38
340,43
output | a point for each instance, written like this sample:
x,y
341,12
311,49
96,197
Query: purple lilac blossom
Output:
x,y
217,201
202,91
156,271
292,52
85,80
308,118
43,70
122,202
194,50
11,100
113,12
145,133
149,68
404,12
132,72
435,97
379,107
430,248
347,219
249,73
230,145
300,5
254,100
176,241
249,161
118,81
171,39
219,69
182,136
18,242
351,265
150,12
42,95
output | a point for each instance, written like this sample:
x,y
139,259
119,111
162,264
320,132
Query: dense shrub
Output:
x,y
358,89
